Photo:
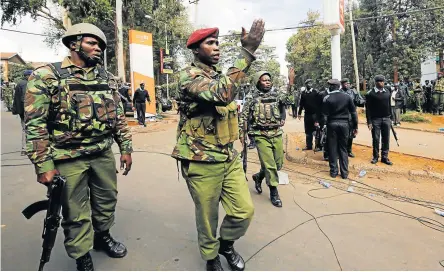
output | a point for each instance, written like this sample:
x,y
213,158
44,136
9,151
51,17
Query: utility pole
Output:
x,y
167,51
395,61
355,59
119,41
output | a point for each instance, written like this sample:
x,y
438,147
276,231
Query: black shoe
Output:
x,y
274,197
144,125
307,148
333,175
234,259
387,161
214,264
374,161
251,146
257,183
344,176
104,241
85,263
351,155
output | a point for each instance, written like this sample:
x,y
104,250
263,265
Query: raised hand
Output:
x,y
252,40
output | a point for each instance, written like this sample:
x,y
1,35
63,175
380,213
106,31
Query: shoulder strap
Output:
x,y
57,69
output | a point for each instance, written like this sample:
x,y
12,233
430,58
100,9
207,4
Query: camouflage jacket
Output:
x,y
248,113
439,86
72,115
203,87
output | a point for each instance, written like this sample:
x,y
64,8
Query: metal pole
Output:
x,y
355,59
336,53
119,41
168,53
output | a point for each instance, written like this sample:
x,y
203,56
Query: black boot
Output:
x,y
257,183
214,264
104,241
274,196
374,161
386,161
85,263
235,260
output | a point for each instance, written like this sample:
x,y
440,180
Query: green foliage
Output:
x,y
415,117
15,72
405,39
308,51
169,18
266,58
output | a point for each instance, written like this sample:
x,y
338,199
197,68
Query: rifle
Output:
x,y
51,223
394,134
319,139
245,148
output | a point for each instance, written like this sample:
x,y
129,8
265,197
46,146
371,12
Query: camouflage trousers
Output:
x,y
210,183
271,155
438,102
89,199
418,101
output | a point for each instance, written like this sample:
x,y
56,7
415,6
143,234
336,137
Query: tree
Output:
x,y
266,58
171,13
308,51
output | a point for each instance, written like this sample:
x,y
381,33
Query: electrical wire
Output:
x,y
280,28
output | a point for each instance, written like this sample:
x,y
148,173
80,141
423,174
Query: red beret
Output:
x,y
201,34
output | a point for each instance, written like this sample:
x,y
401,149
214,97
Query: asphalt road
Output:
x,y
155,219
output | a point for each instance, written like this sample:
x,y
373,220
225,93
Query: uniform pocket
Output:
x,y
84,107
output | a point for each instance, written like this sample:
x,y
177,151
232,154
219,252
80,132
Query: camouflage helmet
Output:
x,y
258,75
84,29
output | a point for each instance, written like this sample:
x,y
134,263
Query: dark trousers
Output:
x,y
294,110
141,108
381,128
404,108
309,120
337,137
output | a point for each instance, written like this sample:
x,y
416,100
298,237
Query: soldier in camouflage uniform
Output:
x,y
266,113
248,98
438,95
419,96
8,95
208,128
72,114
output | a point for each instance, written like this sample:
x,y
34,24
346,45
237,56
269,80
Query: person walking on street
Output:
x,y
70,128
207,131
378,113
396,100
311,104
140,96
339,113
18,105
266,113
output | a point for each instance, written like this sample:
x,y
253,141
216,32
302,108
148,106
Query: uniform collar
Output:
x,y
379,91
308,91
210,70
67,63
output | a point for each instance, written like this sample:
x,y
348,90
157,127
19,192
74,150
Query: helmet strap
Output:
x,y
90,62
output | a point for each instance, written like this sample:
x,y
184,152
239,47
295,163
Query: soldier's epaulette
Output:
x,y
43,72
